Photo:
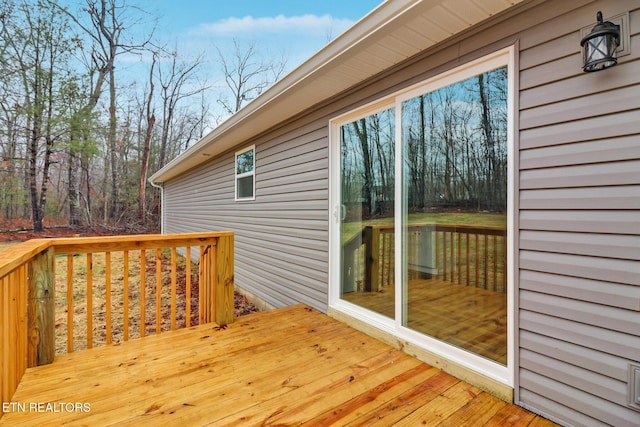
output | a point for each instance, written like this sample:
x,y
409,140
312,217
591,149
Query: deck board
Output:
x,y
470,318
291,366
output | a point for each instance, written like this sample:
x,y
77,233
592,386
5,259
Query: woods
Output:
x,y
81,128
454,151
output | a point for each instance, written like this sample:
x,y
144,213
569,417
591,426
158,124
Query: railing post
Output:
x,y
348,269
425,263
372,255
224,290
41,310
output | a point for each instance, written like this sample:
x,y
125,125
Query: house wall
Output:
x,y
281,238
577,203
579,220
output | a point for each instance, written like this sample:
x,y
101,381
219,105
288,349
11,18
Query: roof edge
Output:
x,y
371,22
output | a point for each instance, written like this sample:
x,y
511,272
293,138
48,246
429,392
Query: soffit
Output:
x,y
393,32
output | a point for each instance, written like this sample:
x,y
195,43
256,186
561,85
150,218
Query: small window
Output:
x,y
245,174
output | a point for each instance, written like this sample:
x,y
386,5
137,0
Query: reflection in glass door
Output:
x,y
431,250
454,214
367,179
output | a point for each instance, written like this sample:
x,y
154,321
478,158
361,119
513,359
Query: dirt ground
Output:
x,y
19,233
117,292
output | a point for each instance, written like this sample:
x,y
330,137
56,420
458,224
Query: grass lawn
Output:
x,y
349,229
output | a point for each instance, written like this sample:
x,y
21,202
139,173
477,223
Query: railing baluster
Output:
x,y
202,291
486,261
436,249
385,279
383,258
173,288
468,261
446,259
451,256
444,255
107,295
458,261
22,276
463,254
69,303
17,351
89,300
158,290
125,296
495,263
6,388
390,259
212,284
416,252
477,261
188,285
7,335
358,276
143,292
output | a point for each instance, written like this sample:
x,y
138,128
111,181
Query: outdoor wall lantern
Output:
x,y
599,46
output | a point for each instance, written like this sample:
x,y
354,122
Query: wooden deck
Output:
x,y
291,366
470,318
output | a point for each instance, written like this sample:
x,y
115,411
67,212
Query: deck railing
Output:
x,y
28,322
463,254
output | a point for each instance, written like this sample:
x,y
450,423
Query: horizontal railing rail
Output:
x,y
81,274
469,255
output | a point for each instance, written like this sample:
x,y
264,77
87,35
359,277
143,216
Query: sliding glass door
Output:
x,y
454,213
423,185
367,188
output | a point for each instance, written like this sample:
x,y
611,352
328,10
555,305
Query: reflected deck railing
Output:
x,y
468,255
28,296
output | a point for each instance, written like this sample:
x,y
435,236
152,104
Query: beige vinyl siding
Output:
x,y
579,264
281,238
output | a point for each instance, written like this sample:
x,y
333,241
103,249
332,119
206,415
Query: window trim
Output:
x,y
251,173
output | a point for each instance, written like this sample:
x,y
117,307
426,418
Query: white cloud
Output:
x,y
304,24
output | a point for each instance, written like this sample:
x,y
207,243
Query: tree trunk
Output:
x,y
144,165
422,180
85,183
493,194
115,185
75,212
33,186
361,132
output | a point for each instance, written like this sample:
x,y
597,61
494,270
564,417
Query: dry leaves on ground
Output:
x,y
119,298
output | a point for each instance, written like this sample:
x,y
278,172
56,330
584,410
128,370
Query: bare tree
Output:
x,y
146,146
39,49
11,157
71,134
107,26
178,82
247,75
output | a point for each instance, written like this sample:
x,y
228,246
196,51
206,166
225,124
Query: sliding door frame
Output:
x,y
501,373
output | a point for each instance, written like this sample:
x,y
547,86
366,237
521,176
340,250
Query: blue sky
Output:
x,y
289,29
293,28
189,13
